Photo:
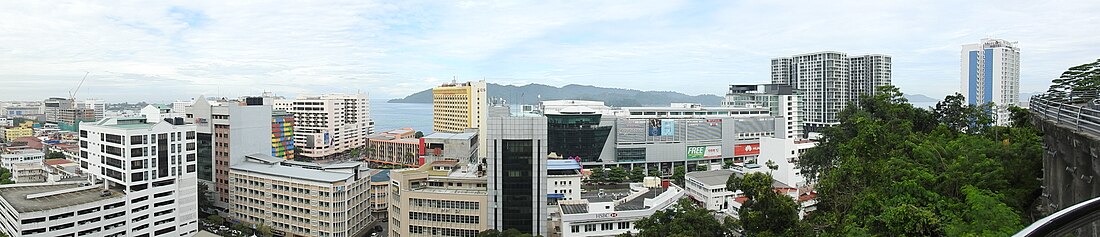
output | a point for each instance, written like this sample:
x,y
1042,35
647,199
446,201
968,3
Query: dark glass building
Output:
x,y
576,134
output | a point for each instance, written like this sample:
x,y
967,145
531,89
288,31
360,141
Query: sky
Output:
x,y
160,51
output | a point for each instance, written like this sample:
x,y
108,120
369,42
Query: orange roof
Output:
x,y
53,162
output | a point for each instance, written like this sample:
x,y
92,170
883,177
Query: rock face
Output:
x,y
1071,165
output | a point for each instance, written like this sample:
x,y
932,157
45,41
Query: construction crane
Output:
x,y
72,93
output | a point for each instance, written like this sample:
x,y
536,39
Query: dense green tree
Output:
x,y
617,175
505,233
765,212
984,215
599,175
682,219
1077,85
637,174
1020,117
204,197
889,169
215,219
418,134
654,172
5,176
678,175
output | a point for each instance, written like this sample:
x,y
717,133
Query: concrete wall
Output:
x,y
1071,168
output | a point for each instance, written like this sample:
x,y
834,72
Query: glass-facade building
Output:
x,y
576,135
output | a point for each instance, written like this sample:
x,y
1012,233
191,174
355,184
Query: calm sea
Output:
x,y
389,116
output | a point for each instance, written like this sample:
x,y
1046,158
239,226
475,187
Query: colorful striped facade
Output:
x,y
282,134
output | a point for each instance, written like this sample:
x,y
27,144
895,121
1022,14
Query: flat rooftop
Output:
x,y
712,177
638,203
17,197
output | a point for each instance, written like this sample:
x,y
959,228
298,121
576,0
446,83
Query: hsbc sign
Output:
x,y
746,149
607,215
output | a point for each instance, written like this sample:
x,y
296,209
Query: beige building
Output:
x,y
442,198
329,124
396,147
458,106
300,198
379,188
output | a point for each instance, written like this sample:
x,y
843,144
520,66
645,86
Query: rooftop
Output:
x,y
638,203
17,197
381,176
292,172
711,177
443,135
563,164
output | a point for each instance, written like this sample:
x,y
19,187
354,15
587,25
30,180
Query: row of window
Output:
x,y
602,227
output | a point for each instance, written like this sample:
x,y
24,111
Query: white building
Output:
x,y
829,80
709,188
146,160
329,124
555,106
991,74
563,179
784,154
20,157
780,99
611,214
142,184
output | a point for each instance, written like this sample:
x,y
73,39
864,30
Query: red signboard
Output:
x,y
746,149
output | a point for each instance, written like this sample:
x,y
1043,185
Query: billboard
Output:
x,y
661,127
746,149
700,152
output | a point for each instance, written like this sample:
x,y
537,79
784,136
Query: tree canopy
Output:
x,y
1078,84
682,219
890,169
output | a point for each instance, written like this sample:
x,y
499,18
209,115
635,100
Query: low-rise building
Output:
x,y
451,146
709,188
613,213
563,179
396,147
301,198
11,133
379,188
442,198
21,157
28,173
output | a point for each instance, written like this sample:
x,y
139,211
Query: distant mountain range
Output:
x,y
917,98
530,94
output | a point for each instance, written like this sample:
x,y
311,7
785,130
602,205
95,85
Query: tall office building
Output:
x,y
226,132
327,125
991,74
780,100
829,80
282,134
154,164
458,106
52,108
516,167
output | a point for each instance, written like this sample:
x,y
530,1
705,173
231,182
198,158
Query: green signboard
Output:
x,y
696,152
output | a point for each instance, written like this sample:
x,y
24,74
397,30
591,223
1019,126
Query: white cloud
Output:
x,y
159,51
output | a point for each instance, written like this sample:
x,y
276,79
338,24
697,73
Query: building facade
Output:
x,y
70,119
517,173
576,132
991,74
21,156
226,132
300,198
780,100
451,146
442,198
395,147
11,133
829,80
605,216
458,106
709,188
327,125
563,179
379,198
282,134
152,163
52,108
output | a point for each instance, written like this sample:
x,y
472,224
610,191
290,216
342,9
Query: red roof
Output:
x,y
807,197
53,162
32,142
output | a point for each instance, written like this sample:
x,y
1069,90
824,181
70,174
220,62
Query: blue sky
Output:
x,y
163,51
